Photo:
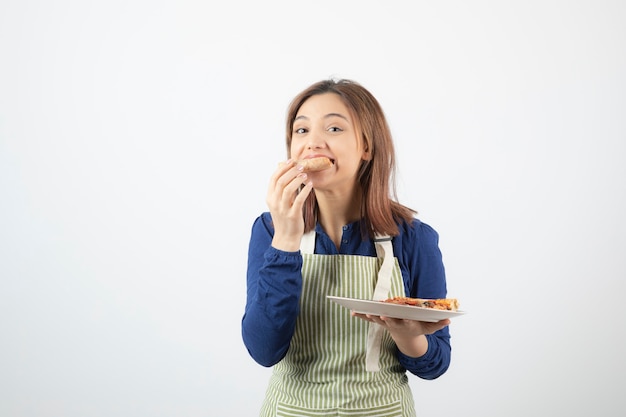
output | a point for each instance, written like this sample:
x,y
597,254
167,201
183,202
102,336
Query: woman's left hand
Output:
x,y
409,335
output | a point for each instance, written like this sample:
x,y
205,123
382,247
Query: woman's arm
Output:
x,y
424,276
274,284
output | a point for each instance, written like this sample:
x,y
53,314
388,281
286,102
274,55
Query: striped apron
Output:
x,y
339,365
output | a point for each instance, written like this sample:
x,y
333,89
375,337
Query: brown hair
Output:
x,y
380,210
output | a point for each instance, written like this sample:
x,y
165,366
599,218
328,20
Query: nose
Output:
x,y
315,141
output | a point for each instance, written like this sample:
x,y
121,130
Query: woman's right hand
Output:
x,y
285,200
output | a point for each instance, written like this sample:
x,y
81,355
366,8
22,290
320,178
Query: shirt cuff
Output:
x,y
272,254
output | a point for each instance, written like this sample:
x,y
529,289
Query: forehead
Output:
x,y
321,105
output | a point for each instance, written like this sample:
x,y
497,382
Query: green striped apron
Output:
x,y
338,365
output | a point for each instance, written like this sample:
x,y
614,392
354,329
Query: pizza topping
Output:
x,y
450,304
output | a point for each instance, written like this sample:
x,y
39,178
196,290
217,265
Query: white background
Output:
x,y
137,139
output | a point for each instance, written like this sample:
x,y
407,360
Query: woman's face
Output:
x,y
324,126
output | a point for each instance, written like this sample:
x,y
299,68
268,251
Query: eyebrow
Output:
x,y
325,117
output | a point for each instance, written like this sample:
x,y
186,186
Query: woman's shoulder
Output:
x,y
417,231
416,226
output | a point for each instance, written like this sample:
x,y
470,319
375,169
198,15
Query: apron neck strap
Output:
x,y
384,250
307,244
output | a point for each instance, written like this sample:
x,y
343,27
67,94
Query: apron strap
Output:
x,y
381,292
307,243
383,284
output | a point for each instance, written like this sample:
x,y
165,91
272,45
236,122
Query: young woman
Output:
x,y
340,231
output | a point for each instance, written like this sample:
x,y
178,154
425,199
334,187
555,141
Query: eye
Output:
x,y
335,129
300,131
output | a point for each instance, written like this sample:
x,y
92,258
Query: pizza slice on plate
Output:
x,y
450,304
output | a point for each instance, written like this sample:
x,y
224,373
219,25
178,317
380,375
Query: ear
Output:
x,y
367,154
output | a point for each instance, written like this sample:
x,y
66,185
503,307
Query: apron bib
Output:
x,y
339,365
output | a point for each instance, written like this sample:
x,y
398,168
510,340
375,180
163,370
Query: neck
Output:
x,y
337,210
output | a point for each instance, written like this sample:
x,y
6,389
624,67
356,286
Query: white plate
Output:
x,y
399,311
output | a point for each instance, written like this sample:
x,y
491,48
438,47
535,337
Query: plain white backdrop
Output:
x,y
137,138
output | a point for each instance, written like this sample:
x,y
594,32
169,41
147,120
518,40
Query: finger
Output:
x,y
394,323
376,319
291,185
281,170
435,327
283,167
362,316
285,195
442,323
302,193
279,182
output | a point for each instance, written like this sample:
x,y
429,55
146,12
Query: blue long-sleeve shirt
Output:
x,y
274,284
